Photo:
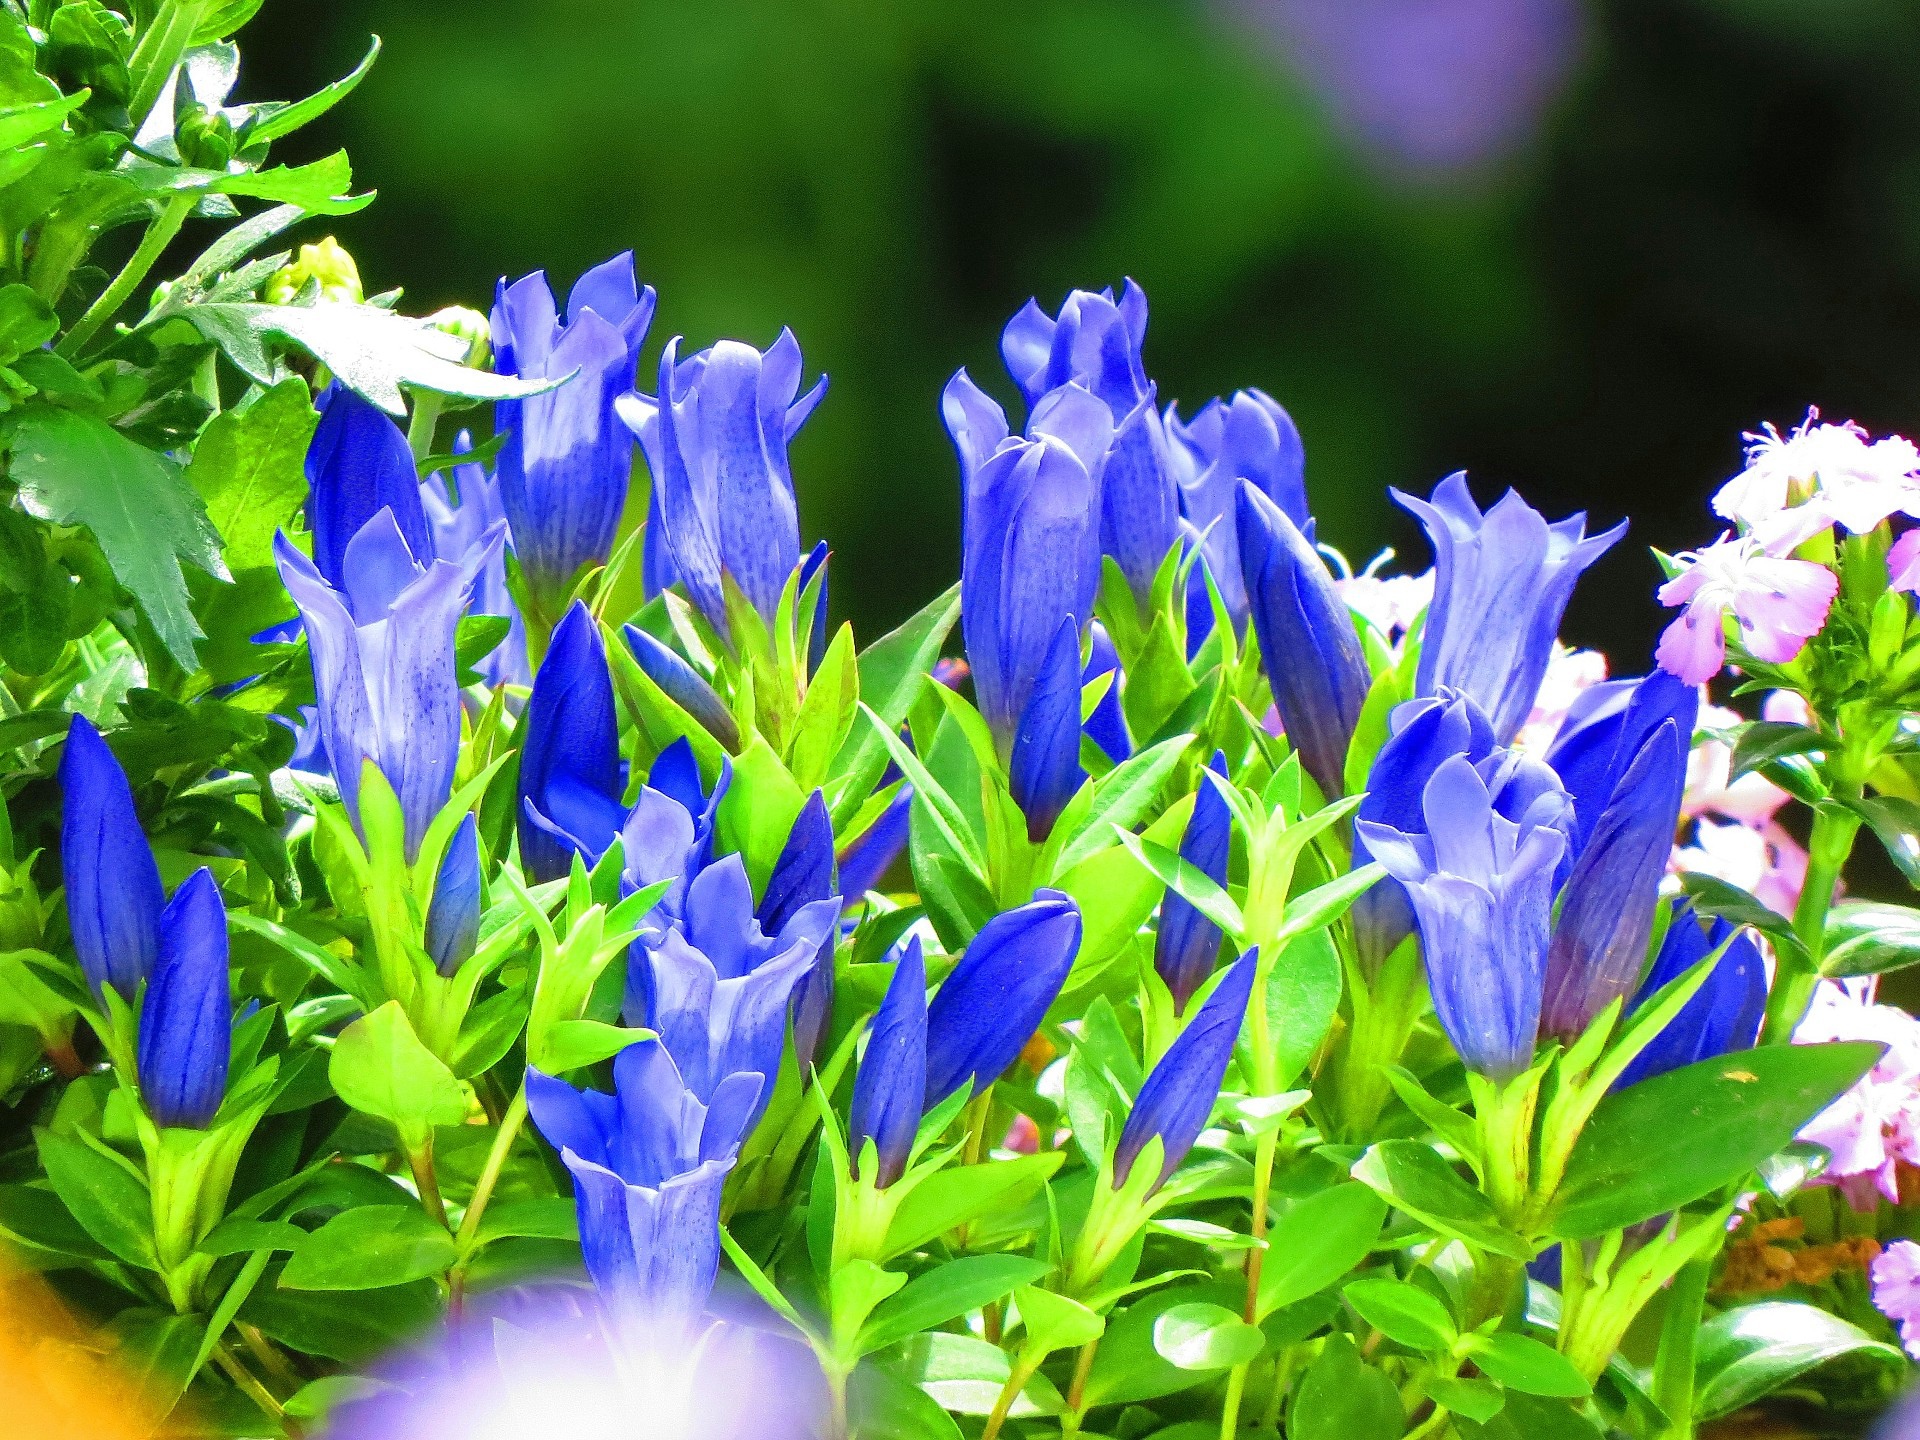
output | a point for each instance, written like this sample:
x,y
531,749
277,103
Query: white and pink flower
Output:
x,y
1778,604
1896,1290
1873,1130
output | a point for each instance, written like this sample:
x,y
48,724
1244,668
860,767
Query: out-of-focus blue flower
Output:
x,y
1179,1094
995,998
1724,1014
186,1020
1314,662
716,441
459,893
1423,734
1095,343
1188,944
1604,730
1606,907
1030,537
570,782
648,1164
114,896
383,662
1501,583
1043,771
458,519
803,876
1107,725
1480,876
358,464
683,685
1248,437
563,469
893,1072
870,854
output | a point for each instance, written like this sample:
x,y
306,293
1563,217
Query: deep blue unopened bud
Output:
x,y
815,564
1605,728
358,464
570,784
683,685
1107,725
186,1020
1725,1012
870,854
453,916
1044,769
1249,437
1188,944
1179,1094
114,896
893,1073
802,876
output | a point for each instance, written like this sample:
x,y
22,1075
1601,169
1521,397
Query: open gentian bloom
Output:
x,y
716,441
383,662
1725,1012
358,464
563,469
186,1019
1778,606
570,782
668,834
114,895
1248,437
648,1164
1501,583
457,519
1179,1094
893,1072
1095,343
1480,875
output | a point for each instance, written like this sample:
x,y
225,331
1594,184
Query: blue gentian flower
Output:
x,y
1179,1094
683,685
457,519
1723,1016
1479,872
186,1019
1107,725
459,894
1043,771
649,1163
868,857
358,464
716,441
383,662
1188,944
668,834
1248,437
1604,730
995,998
893,1072
1095,343
114,896
570,782
1501,583
564,467
1314,662
803,876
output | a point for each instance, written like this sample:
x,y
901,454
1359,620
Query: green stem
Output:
x,y
250,1385
1023,1371
420,1161
420,429
496,1161
158,52
1230,1406
1077,1391
1834,829
160,232
1673,1363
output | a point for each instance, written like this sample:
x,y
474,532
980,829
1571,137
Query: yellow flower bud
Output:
x,y
329,264
470,326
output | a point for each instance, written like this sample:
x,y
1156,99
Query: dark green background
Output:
x,y
1719,223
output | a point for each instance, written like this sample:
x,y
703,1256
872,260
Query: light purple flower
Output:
x,y
1903,563
458,518
1778,605
1896,1290
1873,1130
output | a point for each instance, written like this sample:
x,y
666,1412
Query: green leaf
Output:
x,y
103,1194
1128,1367
20,123
1200,1336
759,808
1714,896
379,1066
1897,823
1477,1400
953,1197
34,1216
965,1375
1343,1398
1524,1364
1116,895
1668,1141
75,470
1760,742
274,119
944,1293
1745,1354
1123,797
892,671
886,1406
1192,884
1413,1177
1317,1240
572,1044
156,1353
237,1235
826,714
1303,997
249,469
350,1326
543,1217
1864,937
370,1248
1403,1312
1055,1322
1529,1417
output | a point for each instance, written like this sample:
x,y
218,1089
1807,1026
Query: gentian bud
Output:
x,y
816,564
1188,944
1107,725
563,469
1501,583
1725,1012
1604,730
459,893
683,685
358,464
1480,876
802,876
870,854
1606,909
114,896
1246,438
995,998
893,1071
1044,770
383,663
1315,665
570,782
716,441
1179,1094
186,1020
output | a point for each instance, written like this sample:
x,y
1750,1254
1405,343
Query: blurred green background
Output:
x,y
1575,248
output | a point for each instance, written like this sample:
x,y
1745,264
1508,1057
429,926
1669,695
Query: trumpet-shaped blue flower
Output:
x,y
1188,944
186,1019
1315,665
458,519
1606,908
1179,1094
1605,728
564,467
383,662
1044,770
716,441
1095,343
459,894
995,998
1250,438
1724,1014
893,1072
648,1164
803,876
570,781
114,896
1501,583
1107,725
358,464
668,835
1479,872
